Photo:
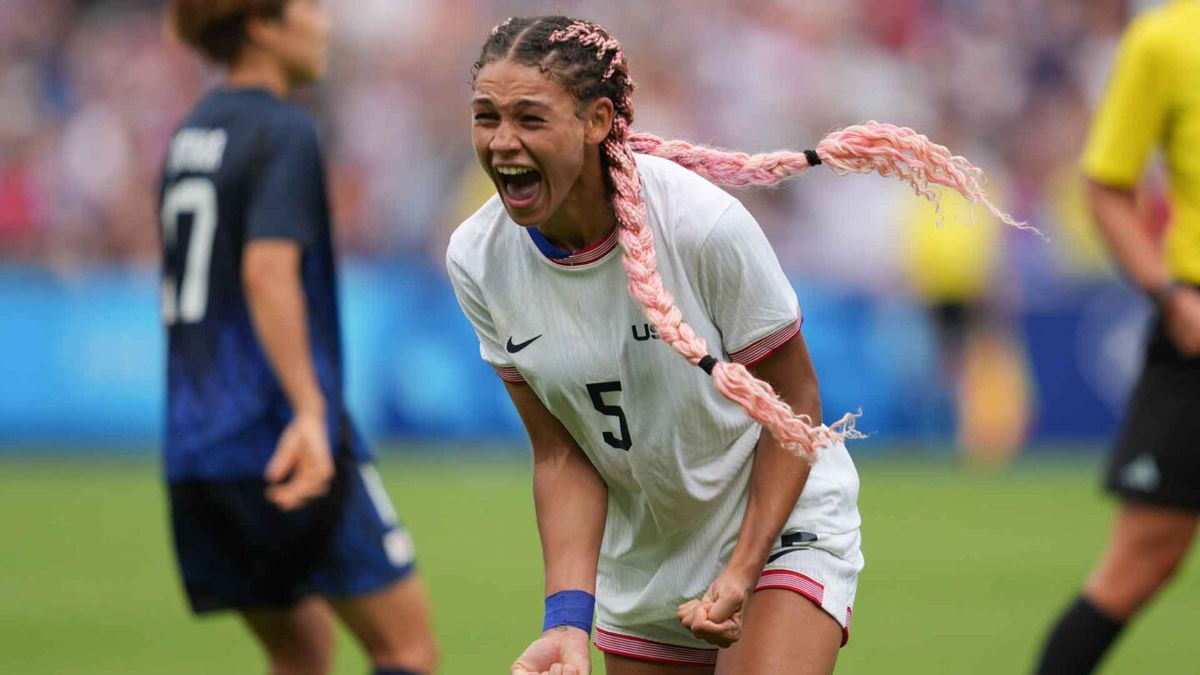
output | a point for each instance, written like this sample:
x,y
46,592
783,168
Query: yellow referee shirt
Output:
x,y
1153,100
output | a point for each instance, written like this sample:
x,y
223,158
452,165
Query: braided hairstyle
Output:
x,y
589,63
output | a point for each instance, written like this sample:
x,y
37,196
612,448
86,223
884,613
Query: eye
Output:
x,y
480,116
532,119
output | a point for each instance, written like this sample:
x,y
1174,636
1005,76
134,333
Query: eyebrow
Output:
x,y
521,103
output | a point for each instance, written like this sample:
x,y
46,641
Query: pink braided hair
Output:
x,y
593,35
884,148
877,147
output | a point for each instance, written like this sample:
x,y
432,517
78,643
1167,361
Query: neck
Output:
x,y
256,69
586,215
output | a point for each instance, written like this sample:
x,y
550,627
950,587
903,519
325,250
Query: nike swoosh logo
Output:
x,y
784,551
514,348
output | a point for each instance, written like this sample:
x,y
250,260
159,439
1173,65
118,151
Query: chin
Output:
x,y
527,220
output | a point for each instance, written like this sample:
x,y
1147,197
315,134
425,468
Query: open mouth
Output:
x,y
519,185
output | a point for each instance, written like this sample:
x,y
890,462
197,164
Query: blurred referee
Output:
x,y
1153,101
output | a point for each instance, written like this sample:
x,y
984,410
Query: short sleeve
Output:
x,y
285,202
1131,118
491,349
747,294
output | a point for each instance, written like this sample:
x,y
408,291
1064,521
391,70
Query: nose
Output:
x,y
505,139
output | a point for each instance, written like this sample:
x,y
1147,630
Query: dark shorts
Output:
x,y
1157,457
236,550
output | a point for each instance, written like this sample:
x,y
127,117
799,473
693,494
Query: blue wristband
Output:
x,y
570,608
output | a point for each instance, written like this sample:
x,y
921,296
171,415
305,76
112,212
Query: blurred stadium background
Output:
x,y
964,344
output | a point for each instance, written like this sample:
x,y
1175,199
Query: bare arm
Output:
x,y
776,480
271,279
570,497
778,476
1142,260
275,295
571,500
1116,213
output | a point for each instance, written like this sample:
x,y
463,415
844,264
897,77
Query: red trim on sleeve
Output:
x,y
757,351
509,374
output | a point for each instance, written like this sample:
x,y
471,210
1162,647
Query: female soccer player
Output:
x,y
1153,100
656,495
277,512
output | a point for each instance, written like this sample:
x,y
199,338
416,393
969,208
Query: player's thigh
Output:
x,y
783,633
623,665
392,623
1147,544
1150,535
298,640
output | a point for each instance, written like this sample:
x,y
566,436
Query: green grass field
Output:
x,y
964,571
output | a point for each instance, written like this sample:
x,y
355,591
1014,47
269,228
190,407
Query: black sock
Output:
x,y
1079,640
394,671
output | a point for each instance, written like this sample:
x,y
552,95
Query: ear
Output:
x,y
261,30
598,120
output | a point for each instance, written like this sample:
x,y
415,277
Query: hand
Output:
x,y
1181,312
560,651
302,466
716,618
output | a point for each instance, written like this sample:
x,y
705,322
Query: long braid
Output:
x,y
589,62
873,147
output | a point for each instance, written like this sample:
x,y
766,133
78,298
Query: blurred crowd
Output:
x,y
90,91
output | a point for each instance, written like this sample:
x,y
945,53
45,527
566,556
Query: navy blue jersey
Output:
x,y
243,166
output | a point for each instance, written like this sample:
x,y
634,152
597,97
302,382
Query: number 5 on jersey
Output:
x,y
597,390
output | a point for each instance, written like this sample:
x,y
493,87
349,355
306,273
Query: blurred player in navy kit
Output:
x,y
277,511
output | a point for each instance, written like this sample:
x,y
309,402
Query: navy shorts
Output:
x,y
1157,457
237,550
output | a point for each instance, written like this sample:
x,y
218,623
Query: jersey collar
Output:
x,y
564,258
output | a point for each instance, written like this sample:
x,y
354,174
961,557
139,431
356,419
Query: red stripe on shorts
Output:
x,y
808,587
649,650
792,581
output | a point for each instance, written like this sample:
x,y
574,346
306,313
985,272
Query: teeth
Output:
x,y
512,170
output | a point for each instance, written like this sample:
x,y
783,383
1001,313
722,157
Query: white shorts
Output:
x,y
818,556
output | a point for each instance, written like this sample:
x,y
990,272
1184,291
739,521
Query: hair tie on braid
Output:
x,y
812,157
706,364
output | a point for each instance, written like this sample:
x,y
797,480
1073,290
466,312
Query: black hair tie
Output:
x,y
811,156
706,364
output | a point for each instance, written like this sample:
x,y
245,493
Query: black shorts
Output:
x,y
238,550
1157,457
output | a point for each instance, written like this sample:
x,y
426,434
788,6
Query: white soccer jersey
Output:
x,y
675,453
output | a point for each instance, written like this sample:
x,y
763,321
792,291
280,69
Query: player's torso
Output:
x,y
220,386
651,423
1181,69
